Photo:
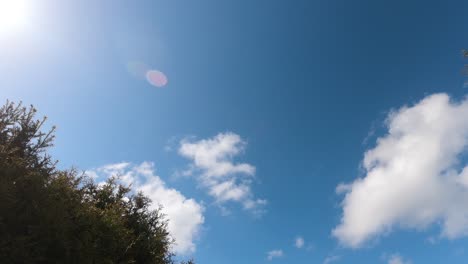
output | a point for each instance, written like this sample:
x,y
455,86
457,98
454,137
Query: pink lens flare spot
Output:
x,y
156,78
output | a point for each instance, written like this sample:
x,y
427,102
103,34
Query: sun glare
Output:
x,y
13,15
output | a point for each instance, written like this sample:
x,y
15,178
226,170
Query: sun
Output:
x,y
13,15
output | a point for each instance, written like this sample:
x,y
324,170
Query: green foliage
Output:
x,y
53,216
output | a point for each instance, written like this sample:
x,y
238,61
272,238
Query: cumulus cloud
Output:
x,y
415,176
225,180
277,253
397,259
185,215
299,242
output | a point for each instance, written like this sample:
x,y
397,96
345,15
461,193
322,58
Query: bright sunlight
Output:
x,y
13,15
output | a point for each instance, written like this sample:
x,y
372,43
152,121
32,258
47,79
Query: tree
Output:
x,y
49,215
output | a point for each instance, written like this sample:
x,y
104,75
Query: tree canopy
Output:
x,y
49,215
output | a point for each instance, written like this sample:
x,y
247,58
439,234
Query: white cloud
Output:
x,y
397,259
185,215
275,254
414,176
224,179
331,259
299,242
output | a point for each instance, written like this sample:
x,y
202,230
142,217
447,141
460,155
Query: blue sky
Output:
x,y
269,109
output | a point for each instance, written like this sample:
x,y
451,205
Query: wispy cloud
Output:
x,y
277,253
414,175
397,259
213,162
185,215
299,242
331,259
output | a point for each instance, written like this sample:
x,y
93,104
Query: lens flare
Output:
x,y
156,78
137,69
